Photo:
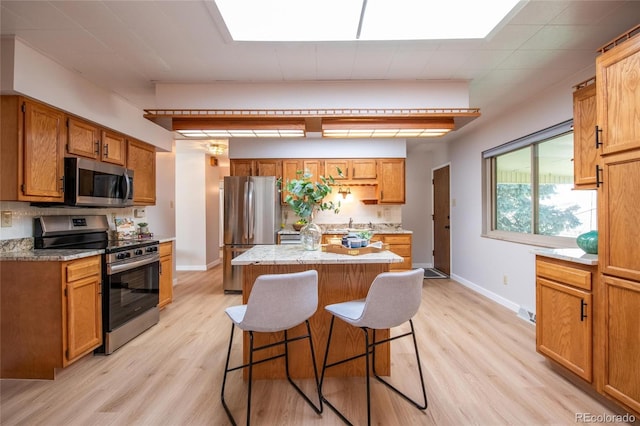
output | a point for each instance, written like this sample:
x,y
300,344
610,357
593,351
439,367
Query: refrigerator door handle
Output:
x,y
251,211
245,213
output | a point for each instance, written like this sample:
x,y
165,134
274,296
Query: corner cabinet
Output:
x,y
585,149
51,315
141,158
564,314
32,151
166,274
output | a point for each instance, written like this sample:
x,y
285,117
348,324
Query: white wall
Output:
x,y
39,77
162,216
481,262
197,212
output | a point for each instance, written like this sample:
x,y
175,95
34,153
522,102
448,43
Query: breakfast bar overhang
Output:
x,y
341,277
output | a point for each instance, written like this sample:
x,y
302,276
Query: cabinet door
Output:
x,y
84,316
315,167
364,169
114,148
618,211
391,181
43,161
166,274
141,158
241,167
564,326
334,167
290,170
266,167
621,306
585,153
83,138
618,96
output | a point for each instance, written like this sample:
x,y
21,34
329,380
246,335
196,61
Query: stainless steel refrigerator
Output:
x,y
251,217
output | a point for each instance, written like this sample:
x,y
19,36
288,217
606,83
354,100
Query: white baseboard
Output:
x,y
486,293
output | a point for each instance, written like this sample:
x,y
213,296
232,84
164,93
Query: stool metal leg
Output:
x,y
370,351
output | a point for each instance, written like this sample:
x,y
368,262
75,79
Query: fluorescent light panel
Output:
x,y
337,20
242,133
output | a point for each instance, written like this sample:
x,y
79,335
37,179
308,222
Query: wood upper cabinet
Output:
x,y
268,167
166,274
618,96
83,138
391,181
564,320
621,316
241,167
32,148
114,148
585,152
352,169
141,158
82,291
290,169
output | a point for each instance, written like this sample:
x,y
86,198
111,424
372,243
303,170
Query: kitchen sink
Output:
x,y
346,230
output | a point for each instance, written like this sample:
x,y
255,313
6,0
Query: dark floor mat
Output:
x,y
434,273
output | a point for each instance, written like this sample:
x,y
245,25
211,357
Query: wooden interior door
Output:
x,y
441,224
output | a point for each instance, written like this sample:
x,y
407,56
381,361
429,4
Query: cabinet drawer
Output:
x,y
403,250
396,239
564,274
406,265
81,268
166,249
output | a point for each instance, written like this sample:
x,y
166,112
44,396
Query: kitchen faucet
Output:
x,y
350,222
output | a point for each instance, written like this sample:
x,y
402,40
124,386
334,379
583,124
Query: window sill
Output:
x,y
532,240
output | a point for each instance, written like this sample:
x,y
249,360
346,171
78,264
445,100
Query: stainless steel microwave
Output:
x,y
94,184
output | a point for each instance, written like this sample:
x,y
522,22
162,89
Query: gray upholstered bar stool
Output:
x,y
392,300
277,302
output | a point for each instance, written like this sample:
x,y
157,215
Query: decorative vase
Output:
x,y
588,242
310,235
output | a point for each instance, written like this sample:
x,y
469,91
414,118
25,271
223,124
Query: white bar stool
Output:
x,y
393,299
277,302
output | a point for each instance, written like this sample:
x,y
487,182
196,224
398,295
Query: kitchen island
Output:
x,y
340,278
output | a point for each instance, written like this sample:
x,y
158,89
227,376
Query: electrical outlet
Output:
x,y
505,280
7,219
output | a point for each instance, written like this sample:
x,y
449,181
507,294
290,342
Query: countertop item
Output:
x,y
570,254
295,254
347,230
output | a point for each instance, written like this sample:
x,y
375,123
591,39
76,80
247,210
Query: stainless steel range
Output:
x,y
130,273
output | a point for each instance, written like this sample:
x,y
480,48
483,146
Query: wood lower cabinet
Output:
x,y
399,244
32,151
141,158
564,314
585,152
166,274
621,328
51,315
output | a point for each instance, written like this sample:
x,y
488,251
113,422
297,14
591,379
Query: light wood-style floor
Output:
x,y
479,360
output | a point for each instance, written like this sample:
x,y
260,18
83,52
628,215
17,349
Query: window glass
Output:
x,y
513,191
531,191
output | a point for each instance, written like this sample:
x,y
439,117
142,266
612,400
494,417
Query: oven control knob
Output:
x,y
138,252
121,255
152,249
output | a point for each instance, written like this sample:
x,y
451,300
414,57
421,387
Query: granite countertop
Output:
x,y
49,255
294,254
569,254
330,230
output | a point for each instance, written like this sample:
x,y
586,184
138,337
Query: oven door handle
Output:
x,y
121,267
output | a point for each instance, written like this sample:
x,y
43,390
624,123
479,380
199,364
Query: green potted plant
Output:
x,y
305,197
